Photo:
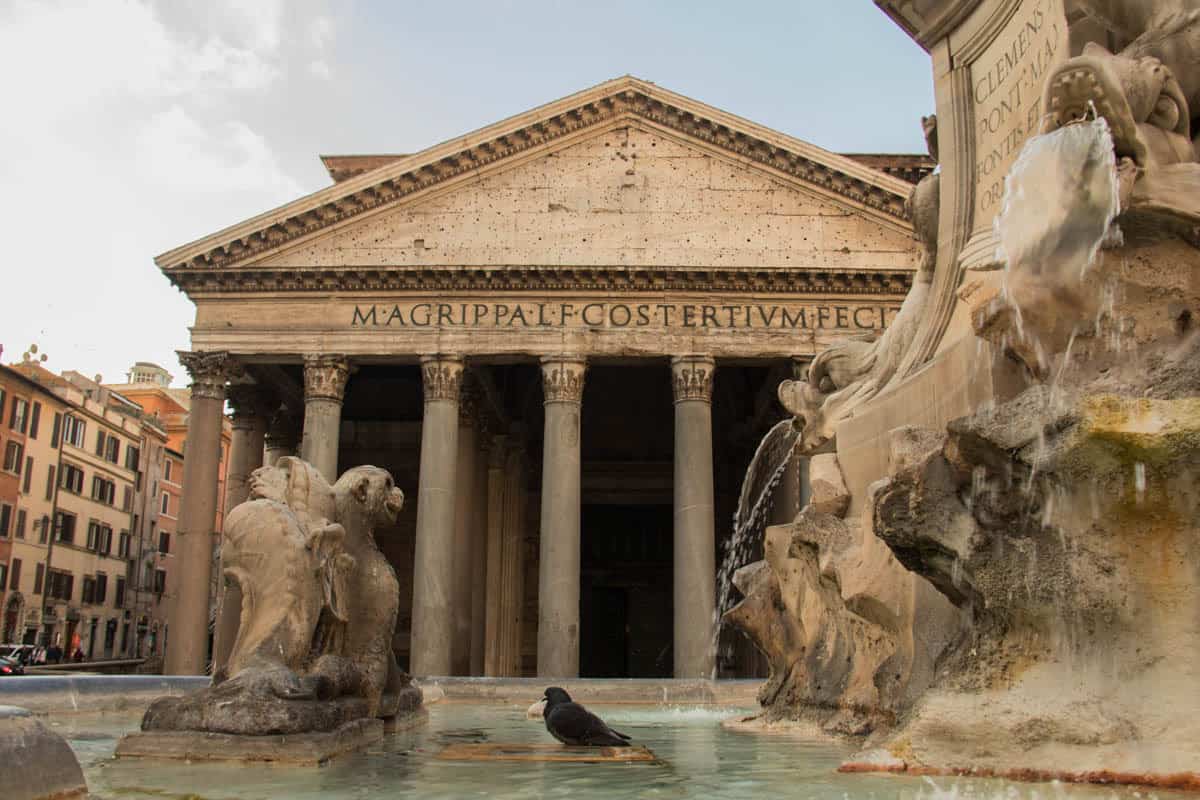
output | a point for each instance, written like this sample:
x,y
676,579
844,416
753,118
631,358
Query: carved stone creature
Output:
x,y
319,604
1148,93
849,373
357,656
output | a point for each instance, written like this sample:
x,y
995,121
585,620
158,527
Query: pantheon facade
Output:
x,y
562,334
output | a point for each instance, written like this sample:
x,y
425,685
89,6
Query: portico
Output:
x,y
562,335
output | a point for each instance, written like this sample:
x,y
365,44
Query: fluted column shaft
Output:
x,y
250,407
695,547
464,522
497,461
187,615
325,379
558,570
479,553
433,567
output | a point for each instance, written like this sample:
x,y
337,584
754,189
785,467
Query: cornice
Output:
x,y
755,280
624,97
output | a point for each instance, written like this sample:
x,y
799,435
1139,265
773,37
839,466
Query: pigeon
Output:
x,y
573,724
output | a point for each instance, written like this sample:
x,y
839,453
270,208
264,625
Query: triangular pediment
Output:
x,y
595,172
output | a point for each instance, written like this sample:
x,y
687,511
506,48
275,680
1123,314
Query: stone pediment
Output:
x,y
626,180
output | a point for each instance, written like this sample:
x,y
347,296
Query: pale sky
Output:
x,y
131,127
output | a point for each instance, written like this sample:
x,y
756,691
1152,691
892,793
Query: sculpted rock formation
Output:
x,y
319,604
844,376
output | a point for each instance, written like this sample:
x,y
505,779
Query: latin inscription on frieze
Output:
x,y
1006,94
620,315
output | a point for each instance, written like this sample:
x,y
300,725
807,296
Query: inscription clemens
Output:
x,y
1006,92
760,316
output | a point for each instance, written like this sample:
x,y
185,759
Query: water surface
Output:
x,y
701,760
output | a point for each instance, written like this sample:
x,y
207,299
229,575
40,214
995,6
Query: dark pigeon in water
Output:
x,y
571,723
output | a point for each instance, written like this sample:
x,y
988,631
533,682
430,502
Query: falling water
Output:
x,y
766,470
1060,200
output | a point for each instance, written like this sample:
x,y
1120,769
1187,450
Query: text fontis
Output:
x,y
622,315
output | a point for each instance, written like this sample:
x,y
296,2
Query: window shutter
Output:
x,y
39,575
54,431
34,418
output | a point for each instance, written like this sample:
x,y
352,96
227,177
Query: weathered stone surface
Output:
x,y
313,648
300,749
829,495
35,762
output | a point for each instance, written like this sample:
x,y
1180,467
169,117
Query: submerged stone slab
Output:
x,y
470,751
35,762
302,749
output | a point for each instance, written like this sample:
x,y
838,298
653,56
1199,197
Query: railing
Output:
x,y
117,666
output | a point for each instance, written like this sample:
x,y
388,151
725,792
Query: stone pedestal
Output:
x,y
433,566
187,614
250,407
325,379
695,547
558,572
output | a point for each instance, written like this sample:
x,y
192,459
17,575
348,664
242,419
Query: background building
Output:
x,y
89,491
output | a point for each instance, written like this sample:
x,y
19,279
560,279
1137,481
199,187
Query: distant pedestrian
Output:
x,y
54,654
78,657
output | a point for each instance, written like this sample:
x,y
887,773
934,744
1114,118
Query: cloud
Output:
x,y
133,127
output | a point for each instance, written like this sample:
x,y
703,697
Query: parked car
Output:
x,y
27,654
10,666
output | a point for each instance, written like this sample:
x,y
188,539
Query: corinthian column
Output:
x,y
251,405
695,548
187,615
433,566
558,571
325,379
282,435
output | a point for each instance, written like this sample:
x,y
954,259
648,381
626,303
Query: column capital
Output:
x,y
441,377
692,377
210,371
562,378
283,429
250,402
325,376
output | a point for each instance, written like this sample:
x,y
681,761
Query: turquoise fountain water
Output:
x,y
701,759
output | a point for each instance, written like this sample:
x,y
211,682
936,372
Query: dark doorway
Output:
x,y
625,592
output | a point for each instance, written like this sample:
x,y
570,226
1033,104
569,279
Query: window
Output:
x,y
39,575
160,581
28,474
89,590
132,457
71,478
2,396
13,455
164,542
54,431
101,438
99,537
166,503
123,545
44,530
112,449
60,585
74,430
3,577
119,597
34,419
127,501
103,490
50,482
148,577
101,587
5,519
20,531
14,575
64,527
19,417
167,470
